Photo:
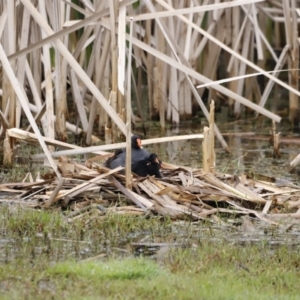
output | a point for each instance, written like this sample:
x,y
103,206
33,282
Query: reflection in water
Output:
x,y
247,153
179,152
173,148
185,153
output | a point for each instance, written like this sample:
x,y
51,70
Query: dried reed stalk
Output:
x,y
61,74
92,149
128,111
48,77
24,102
291,27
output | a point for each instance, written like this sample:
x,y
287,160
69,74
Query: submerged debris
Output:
x,y
182,193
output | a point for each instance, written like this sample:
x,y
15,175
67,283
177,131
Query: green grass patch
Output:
x,y
126,269
203,273
25,221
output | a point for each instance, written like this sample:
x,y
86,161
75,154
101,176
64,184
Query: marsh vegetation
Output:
x,y
59,67
43,256
119,257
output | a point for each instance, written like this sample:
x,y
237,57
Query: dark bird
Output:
x,y
147,166
108,162
137,154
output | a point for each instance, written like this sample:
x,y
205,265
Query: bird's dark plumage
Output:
x,y
119,157
109,161
147,166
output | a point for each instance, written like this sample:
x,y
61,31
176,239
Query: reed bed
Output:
x,y
183,193
74,65
53,44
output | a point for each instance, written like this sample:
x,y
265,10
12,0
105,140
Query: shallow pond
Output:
x,y
248,141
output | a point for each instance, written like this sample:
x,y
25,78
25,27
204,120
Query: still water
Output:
x,y
249,144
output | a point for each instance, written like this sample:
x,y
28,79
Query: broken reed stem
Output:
x,y
7,151
128,175
212,156
294,162
276,151
51,200
208,144
205,164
